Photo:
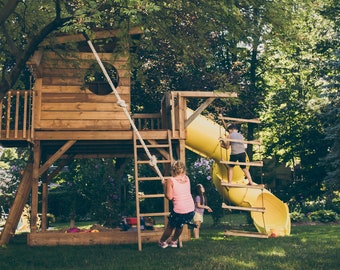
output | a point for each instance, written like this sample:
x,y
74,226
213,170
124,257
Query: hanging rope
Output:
x,y
122,104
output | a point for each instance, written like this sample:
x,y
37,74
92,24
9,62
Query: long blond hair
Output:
x,y
178,167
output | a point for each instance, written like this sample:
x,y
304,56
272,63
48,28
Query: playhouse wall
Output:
x,y
62,102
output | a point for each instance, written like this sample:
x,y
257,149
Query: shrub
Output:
x,y
323,216
296,216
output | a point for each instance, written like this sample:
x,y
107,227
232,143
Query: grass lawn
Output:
x,y
308,247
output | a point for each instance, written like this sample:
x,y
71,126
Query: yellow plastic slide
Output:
x,y
202,138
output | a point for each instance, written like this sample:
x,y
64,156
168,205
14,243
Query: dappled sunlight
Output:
x,y
232,262
217,238
275,252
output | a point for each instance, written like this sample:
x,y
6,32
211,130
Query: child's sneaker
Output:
x,y
163,244
173,244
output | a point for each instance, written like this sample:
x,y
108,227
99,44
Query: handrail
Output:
x,y
16,115
148,121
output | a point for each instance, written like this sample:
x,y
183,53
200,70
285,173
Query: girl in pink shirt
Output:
x,y
177,190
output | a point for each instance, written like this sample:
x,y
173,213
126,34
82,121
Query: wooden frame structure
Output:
x,y
60,118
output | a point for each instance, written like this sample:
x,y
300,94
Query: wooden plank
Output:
x,y
85,96
243,141
150,196
81,106
81,115
121,89
81,64
83,125
63,81
104,34
154,214
49,55
244,233
257,186
148,161
17,207
251,209
56,156
16,119
118,134
205,94
9,97
111,237
241,120
253,163
26,106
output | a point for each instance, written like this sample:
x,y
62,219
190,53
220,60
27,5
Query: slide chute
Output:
x,y
203,138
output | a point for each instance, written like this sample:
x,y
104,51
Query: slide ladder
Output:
x,y
229,186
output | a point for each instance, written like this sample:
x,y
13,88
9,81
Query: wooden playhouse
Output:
x,y
69,113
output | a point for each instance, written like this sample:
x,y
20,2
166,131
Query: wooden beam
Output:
x,y
241,120
56,156
35,185
250,209
245,233
205,94
243,141
96,35
225,184
17,207
254,163
58,169
198,111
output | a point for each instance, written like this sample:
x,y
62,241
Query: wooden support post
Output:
x,y
20,200
44,206
35,182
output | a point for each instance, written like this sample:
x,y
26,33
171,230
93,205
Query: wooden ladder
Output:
x,y
162,149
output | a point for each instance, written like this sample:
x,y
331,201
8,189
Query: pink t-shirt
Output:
x,y
182,199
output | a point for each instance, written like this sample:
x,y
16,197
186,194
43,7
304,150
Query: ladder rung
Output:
x,y
146,196
155,214
257,186
244,142
245,233
253,163
255,120
151,178
153,146
148,161
251,209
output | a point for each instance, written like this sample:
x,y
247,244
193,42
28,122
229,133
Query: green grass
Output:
x,y
308,247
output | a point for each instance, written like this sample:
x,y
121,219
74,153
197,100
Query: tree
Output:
x,y
293,71
331,112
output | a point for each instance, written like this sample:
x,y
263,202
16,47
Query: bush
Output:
x,y
323,216
296,216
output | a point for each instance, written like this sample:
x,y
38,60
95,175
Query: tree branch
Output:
x,y
7,10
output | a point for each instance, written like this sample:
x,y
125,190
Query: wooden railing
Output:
x,y
148,121
16,115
